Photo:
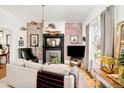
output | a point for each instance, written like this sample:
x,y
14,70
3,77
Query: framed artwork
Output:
x,y
7,39
53,41
21,42
34,40
74,39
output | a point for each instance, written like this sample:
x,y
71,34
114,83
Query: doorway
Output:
x,y
5,40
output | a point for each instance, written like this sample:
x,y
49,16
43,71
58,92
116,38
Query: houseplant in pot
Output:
x,y
121,65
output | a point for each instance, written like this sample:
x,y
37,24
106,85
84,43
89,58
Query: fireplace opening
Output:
x,y
53,56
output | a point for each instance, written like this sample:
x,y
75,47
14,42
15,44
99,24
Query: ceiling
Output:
x,y
67,13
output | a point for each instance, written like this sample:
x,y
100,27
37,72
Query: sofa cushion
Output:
x,y
20,60
57,68
33,65
19,63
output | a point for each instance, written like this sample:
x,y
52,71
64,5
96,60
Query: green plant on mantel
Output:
x,y
121,58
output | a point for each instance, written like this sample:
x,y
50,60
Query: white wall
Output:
x,y
8,20
96,12
119,13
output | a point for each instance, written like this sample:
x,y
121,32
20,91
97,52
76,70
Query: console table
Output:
x,y
105,79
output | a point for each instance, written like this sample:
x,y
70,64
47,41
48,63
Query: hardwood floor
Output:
x,y
90,81
2,71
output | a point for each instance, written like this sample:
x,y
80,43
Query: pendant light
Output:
x,y
42,28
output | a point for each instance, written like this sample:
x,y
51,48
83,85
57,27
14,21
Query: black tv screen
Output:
x,y
76,51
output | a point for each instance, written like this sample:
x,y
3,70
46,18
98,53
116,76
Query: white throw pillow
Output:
x,y
57,68
18,63
33,65
20,60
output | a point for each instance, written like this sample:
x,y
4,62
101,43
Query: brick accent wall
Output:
x,y
32,29
72,29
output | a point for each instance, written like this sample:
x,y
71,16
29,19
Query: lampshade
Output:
x,y
108,60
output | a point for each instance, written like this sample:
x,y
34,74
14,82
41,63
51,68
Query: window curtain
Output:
x,y
87,48
107,32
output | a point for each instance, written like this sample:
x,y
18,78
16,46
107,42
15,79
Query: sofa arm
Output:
x,y
69,81
21,77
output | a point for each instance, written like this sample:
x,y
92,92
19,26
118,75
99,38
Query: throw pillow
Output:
x,y
19,63
57,68
35,66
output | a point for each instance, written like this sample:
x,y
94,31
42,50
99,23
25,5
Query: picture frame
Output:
x,y
7,39
53,41
21,42
74,39
34,40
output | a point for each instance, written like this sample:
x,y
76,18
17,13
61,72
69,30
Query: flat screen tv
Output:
x,y
76,51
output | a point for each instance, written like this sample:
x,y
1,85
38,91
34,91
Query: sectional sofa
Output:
x,y
24,74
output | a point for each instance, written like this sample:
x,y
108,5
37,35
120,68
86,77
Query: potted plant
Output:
x,y
121,57
121,64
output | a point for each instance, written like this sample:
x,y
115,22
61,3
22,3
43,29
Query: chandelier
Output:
x,y
51,28
35,23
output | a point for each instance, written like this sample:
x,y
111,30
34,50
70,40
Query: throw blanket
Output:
x,y
47,79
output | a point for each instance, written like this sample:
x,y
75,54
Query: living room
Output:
x,y
71,43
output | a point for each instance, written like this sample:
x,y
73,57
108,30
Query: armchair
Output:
x,y
26,53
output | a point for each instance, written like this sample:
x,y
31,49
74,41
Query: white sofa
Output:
x,y
24,74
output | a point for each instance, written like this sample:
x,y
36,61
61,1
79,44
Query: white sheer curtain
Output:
x,y
107,32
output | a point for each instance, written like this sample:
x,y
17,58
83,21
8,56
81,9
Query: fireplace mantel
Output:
x,y
53,44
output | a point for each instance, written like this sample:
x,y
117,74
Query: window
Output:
x,y
94,44
95,38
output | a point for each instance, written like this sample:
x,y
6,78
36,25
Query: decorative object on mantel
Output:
x,y
53,32
51,29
